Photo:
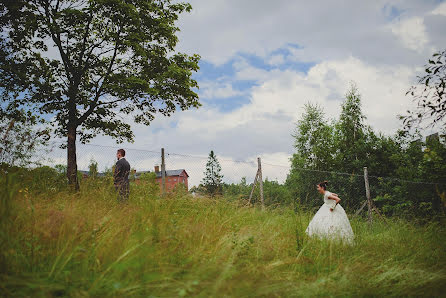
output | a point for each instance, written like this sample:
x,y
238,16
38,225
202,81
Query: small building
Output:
x,y
87,174
173,177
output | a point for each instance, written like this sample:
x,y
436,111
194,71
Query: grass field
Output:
x,y
62,244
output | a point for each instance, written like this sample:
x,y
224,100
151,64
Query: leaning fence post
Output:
x,y
253,187
367,193
259,163
163,172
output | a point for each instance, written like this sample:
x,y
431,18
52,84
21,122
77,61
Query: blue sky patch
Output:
x,y
391,12
227,105
223,75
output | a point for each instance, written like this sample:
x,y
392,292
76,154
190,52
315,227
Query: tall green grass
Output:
x,y
86,244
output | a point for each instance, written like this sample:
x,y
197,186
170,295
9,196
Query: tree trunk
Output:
x,y
71,158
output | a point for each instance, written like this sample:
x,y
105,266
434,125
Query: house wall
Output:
x,y
172,181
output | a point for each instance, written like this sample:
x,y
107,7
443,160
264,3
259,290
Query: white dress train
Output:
x,y
331,224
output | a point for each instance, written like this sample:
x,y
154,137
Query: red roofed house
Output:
x,y
173,177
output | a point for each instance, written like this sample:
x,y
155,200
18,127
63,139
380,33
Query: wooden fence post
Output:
x,y
253,187
163,172
259,179
259,163
362,207
367,193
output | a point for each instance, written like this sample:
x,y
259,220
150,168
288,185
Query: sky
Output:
x,y
262,61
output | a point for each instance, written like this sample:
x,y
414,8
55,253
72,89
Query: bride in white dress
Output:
x,y
330,221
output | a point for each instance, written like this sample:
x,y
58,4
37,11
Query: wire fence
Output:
x,y
145,160
392,195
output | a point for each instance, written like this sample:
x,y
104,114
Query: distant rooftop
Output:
x,y
170,173
87,173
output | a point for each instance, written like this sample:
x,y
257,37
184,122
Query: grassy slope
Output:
x,y
61,244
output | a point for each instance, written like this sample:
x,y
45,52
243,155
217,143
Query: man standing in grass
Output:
x,y
121,176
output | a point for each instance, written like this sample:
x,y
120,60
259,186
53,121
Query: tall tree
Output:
x,y
212,180
429,95
352,133
313,141
313,138
108,59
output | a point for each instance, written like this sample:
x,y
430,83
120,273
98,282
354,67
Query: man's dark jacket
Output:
x,y
121,175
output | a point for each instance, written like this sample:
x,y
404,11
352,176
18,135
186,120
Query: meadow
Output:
x,y
56,243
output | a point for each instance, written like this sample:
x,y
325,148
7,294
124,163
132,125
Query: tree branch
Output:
x,y
94,102
111,102
84,41
56,38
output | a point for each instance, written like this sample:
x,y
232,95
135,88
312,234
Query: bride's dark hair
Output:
x,y
323,184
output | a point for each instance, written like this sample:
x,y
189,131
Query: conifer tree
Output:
x,y
212,180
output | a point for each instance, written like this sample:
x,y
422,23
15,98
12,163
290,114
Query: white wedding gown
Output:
x,y
331,224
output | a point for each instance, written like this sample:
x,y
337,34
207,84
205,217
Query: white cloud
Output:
x,y
440,9
276,60
215,89
324,29
383,90
412,33
276,166
245,71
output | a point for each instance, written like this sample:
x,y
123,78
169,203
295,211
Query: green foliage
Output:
x,y
20,137
429,95
89,245
39,180
338,150
145,186
314,151
132,175
237,190
93,169
314,138
180,190
62,169
353,136
148,177
212,180
276,193
415,161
